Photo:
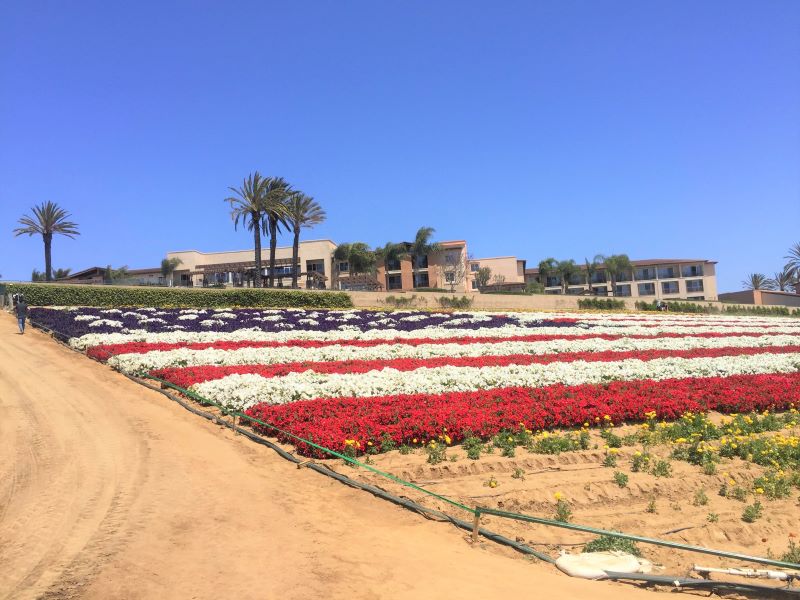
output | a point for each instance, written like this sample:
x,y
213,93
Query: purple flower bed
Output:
x,y
77,322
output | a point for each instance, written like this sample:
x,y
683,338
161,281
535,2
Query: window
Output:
x,y
598,277
624,290
645,273
625,276
553,281
394,282
450,277
694,285
420,262
575,291
474,267
344,267
647,289
393,265
421,280
692,270
577,279
601,290
696,298
315,267
666,273
669,287
474,285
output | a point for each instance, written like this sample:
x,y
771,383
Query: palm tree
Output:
x,y
248,205
616,265
61,273
547,267
591,271
784,280
168,266
276,193
303,211
391,252
794,261
758,281
422,247
48,218
566,270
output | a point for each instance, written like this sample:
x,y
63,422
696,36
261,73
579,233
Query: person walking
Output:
x,y
21,310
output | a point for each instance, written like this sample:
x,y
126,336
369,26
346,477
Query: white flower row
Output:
x,y
253,334
242,391
148,361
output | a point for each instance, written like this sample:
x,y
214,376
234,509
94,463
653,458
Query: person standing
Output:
x,y
21,311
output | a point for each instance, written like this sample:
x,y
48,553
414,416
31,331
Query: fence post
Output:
x,y
476,523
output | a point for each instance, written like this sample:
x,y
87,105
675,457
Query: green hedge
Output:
x,y
601,303
94,295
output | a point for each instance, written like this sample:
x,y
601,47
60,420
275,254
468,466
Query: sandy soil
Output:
x,y
108,490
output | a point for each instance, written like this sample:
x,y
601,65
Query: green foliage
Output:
x,y
401,301
792,554
712,517
87,295
608,542
387,443
640,462
752,512
651,507
774,311
662,468
506,442
601,303
534,287
482,277
563,511
472,446
621,479
518,474
457,303
700,498
682,307
437,452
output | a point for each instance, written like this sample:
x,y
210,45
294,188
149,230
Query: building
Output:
x,y
237,268
762,298
447,269
97,275
652,279
507,273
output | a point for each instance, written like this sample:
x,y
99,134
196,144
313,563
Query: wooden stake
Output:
x,y
476,523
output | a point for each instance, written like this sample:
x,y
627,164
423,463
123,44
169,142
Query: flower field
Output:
x,y
390,378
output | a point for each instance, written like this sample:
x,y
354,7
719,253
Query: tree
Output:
x,y
566,269
758,281
420,247
168,266
498,279
247,205
482,277
358,256
303,211
616,266
534,287
48,219
784,280
591,270
37,276
115,275
793,263
547,268
454,270
276,194
391,252
61,273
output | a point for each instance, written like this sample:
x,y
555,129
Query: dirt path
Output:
x,y
108,490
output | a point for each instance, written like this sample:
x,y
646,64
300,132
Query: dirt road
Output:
x,y
109,490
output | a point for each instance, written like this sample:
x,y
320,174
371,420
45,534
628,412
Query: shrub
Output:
x,y
601,303
609,542
621,479
91,295
458,303
752,512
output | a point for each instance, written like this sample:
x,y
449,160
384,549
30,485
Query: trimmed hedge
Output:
x,y
601,303
44,294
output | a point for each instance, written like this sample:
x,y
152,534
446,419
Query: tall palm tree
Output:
x,y
566,270
547,267
421,247
168,266
48,219
758,281
303,211
591,271
616,265
391,252
247,205
277,192
794,262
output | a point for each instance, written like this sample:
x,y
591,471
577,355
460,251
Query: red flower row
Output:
x,y
420,417
187,376
105,351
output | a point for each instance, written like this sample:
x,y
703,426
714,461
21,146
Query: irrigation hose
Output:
x,y
409,504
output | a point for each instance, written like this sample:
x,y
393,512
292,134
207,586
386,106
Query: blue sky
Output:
x,y
566,129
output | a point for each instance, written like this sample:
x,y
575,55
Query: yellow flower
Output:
x,y
759,490
447,439
586,424
732,481
415,440
558,496
637,453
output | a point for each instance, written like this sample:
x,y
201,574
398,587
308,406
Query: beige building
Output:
x,y
237,267
507,272
652,279
762,298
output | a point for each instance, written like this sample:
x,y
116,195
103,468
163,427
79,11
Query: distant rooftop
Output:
x,y
643,263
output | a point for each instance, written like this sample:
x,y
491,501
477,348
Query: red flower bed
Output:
x,y
103,352
187,376
486,412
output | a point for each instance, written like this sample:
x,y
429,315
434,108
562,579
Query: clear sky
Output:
x,y
659,129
